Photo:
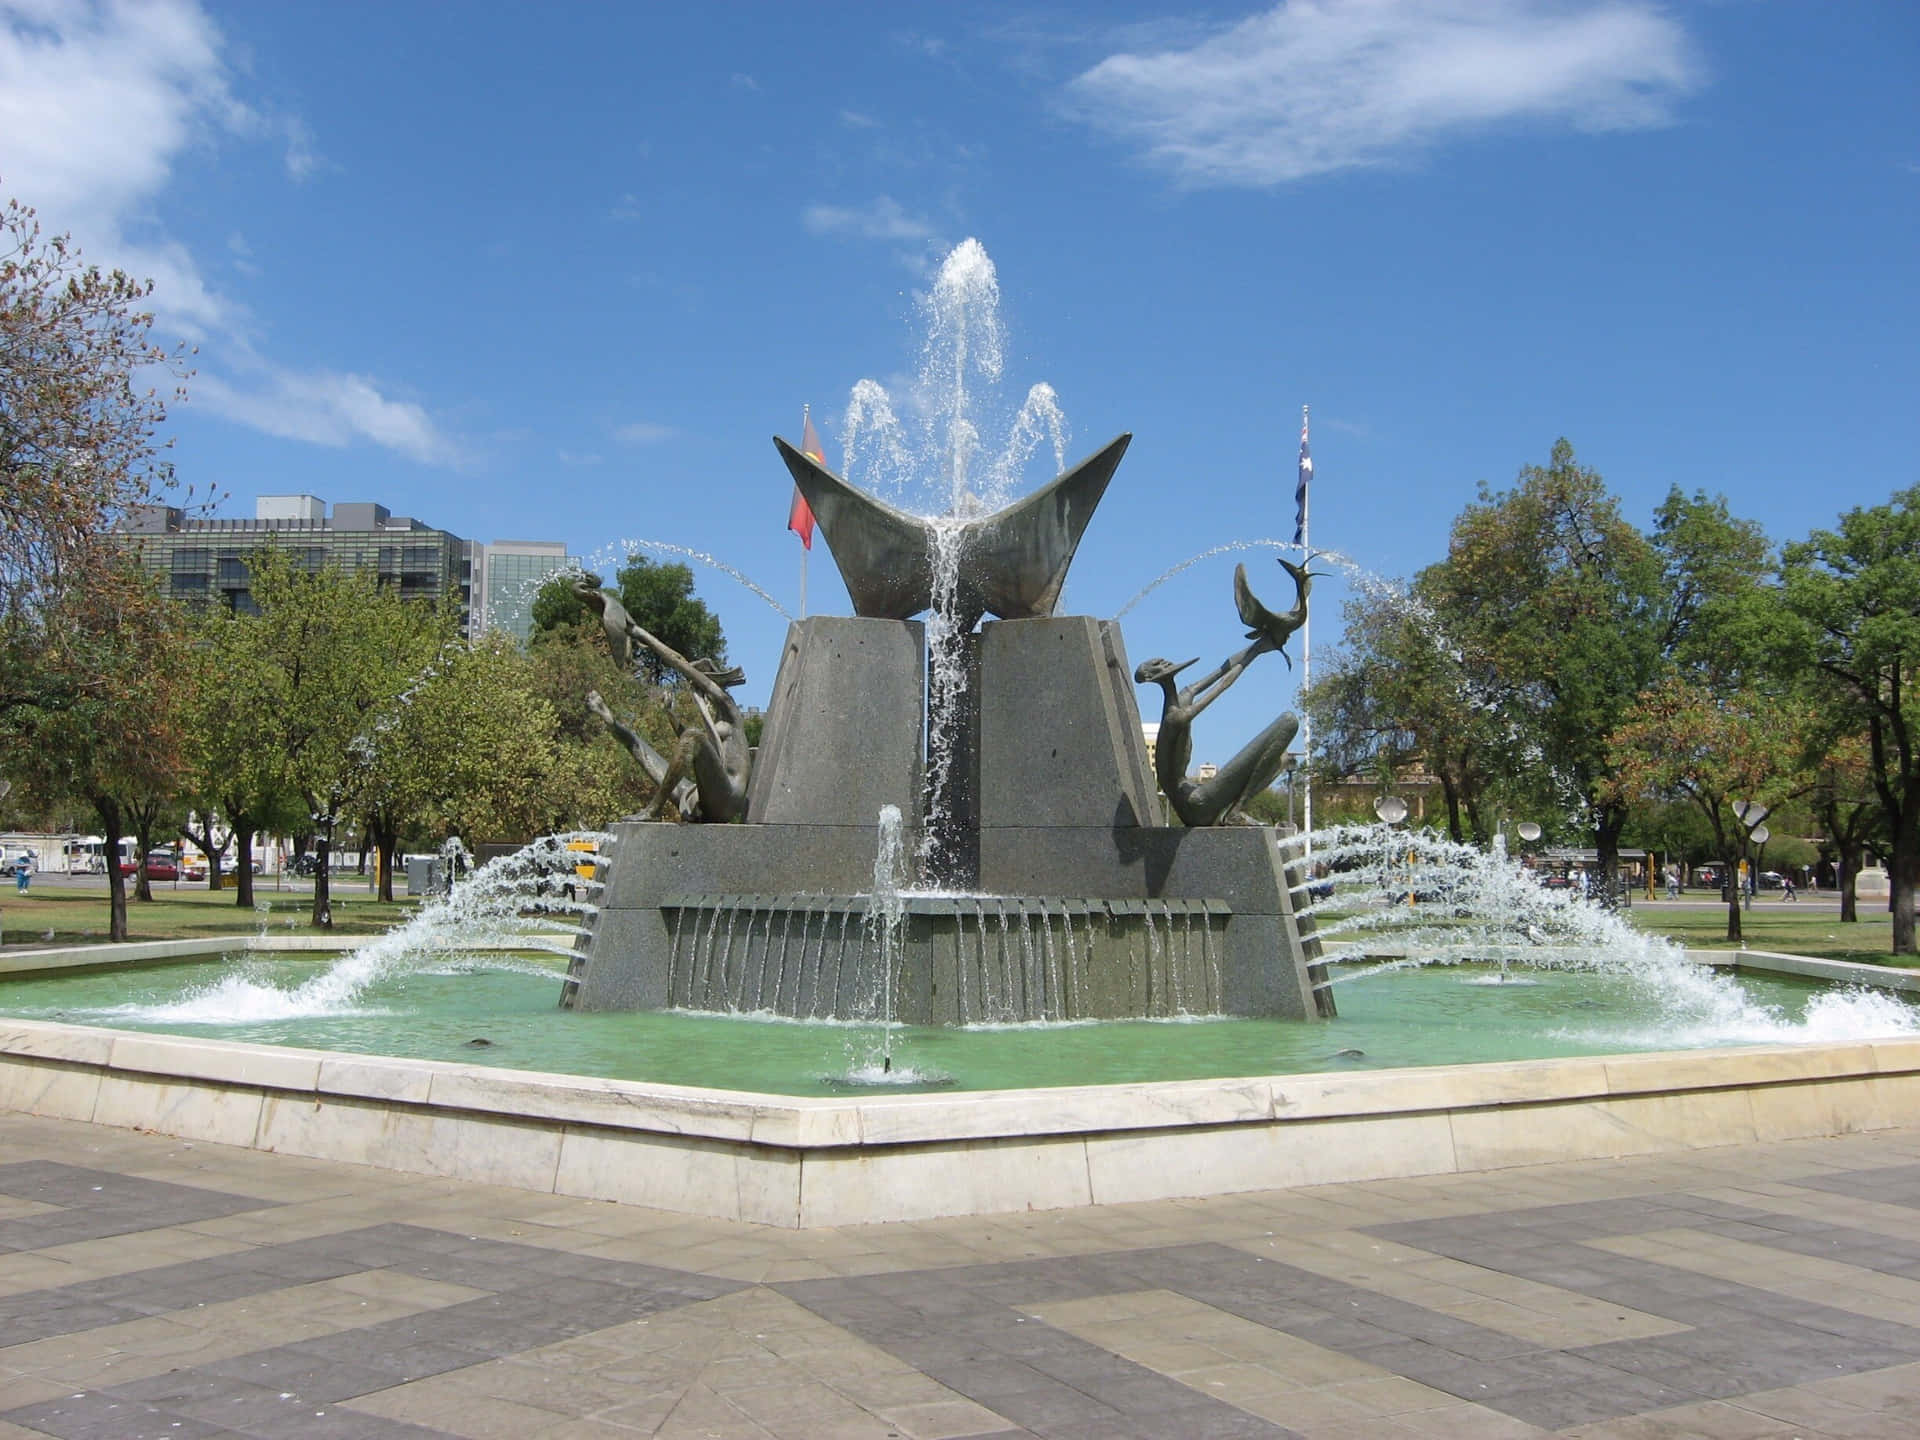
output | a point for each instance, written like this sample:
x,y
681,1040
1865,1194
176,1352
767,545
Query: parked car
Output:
x,y
194,867
161,865
1772,880
1708,875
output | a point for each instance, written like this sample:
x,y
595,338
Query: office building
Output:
x,y
507,576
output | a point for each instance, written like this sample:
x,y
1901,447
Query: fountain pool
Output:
x,y
497,1011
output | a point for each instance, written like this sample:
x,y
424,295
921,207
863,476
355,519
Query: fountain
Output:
x,y
947,861
1014,755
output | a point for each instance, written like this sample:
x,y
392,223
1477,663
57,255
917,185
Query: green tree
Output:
x,y
593,780
656,593
338,651
1852,600
118,752
468,752
1713,747
1398,695
235,784
1555,603
1842,799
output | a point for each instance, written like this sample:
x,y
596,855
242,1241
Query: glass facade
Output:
x,y
510,574
206,561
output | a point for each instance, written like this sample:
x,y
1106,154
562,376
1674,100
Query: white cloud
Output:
x,y
329,408
881,219
575,458
99,99
627,207
1314,86
644,432
854,120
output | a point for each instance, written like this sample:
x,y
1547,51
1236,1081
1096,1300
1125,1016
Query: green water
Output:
x,y
1432,1016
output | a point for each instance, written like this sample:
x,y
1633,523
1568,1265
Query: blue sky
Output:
x,y
559,273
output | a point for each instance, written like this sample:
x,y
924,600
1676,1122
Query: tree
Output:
x,y
339,651
79,446
234,783
1712,747
656,593
469,752
120,751
1554,601
1397,695
593,780
1843,801
1852,598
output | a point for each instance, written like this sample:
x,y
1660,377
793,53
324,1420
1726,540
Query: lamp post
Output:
x,y
1391,810
1750,813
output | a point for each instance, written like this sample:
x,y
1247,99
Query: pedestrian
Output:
x,y
1673,882
1786,887
23,873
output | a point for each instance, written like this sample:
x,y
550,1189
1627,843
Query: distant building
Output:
x,y
507,575
206,561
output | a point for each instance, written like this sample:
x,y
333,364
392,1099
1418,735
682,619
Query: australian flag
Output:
x,y
1300,489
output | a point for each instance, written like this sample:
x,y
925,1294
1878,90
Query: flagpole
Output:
x,y
806,412
1306,664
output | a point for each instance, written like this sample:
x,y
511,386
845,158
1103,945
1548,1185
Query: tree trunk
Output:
x,y
1454,831
389,845
1903,869
1849,869
243,863
1730,887
108,809
322,877
1612,820
205,841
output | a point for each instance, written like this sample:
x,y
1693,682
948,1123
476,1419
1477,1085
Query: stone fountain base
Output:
x,y
1066,923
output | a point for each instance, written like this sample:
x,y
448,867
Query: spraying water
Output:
x,y
1409,899
522,896
940,455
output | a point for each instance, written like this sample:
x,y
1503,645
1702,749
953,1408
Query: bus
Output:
x,y
87,854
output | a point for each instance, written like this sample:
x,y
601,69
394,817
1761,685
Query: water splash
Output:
x,y
1410,899
513,897
611,555
885,934
940,450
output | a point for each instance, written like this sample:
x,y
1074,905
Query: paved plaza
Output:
x,y
150,1287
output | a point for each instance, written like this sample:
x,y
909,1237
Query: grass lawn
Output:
x,y
1774,925
80,917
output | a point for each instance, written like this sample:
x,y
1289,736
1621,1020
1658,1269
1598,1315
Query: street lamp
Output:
x,y
1750,813
1529,831
1392,810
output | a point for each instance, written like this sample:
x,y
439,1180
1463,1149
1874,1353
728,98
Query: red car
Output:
x,y
161,865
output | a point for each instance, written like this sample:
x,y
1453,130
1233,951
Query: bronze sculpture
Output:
x,y
1259,763
713,755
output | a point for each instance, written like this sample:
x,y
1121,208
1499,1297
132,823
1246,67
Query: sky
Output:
x,y
560,273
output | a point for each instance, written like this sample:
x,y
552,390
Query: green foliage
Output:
x,y
657,594
556,606
1554,602
336,652
1851,612
594,781
1399,696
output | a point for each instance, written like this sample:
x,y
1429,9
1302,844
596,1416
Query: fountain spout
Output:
x,y
1016,558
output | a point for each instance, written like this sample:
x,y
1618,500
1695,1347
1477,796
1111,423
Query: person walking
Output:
x,y
1786,886
23,873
